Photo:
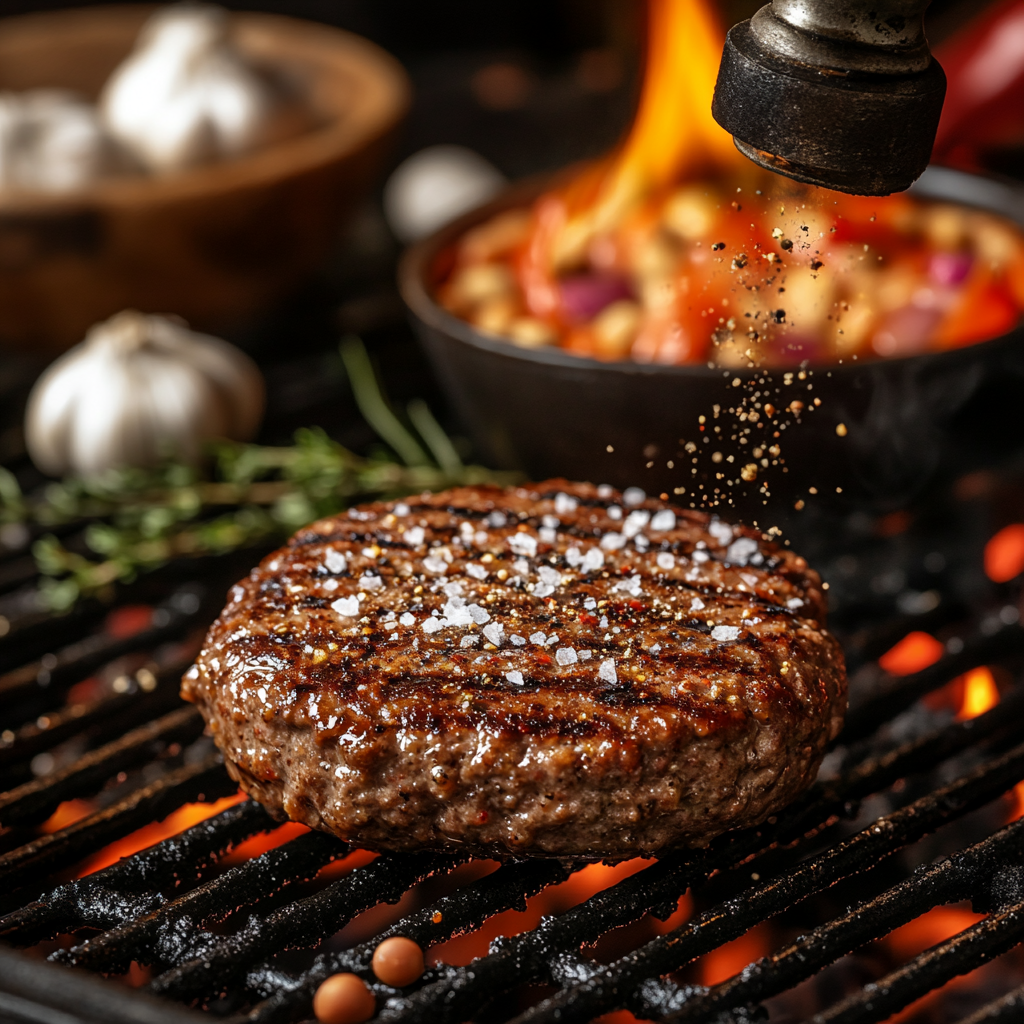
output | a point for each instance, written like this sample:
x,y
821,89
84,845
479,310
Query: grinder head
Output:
x,y
838,93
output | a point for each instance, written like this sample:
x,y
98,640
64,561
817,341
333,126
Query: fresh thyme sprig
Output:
x,y
245,495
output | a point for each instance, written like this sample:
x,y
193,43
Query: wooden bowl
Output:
x,y
215,243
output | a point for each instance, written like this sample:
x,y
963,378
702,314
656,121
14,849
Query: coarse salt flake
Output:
x,y
635,522
725,633
497,520
696,604
664,520
665,560
335,561
548,534
590,604
537,638
469,641
565,656
612,542
605,491
633,495
515,677
494,633
523,544
630,586
722,532
794,603
564,504
742,551
431,625
700,556
408,619
330,585
477,571
370,582
585,655
550,576
655,648
574,557
414,536
478,614
543,590
593,560
348,606
438,566
401,509
517,640
551,522
607,671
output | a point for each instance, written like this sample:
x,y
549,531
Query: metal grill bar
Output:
x,y
303,923
934,967
150,803
53,673
154,938
74,997
895,694
103,717
175,861
35,801
946,881
614,986
506,889
1009,1008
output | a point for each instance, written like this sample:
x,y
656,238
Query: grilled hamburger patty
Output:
x,y
555,669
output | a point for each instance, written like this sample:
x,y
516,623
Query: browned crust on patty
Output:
x,y
357,681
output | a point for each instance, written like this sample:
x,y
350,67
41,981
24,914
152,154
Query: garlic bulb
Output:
x,y
53,141
185,95
140,388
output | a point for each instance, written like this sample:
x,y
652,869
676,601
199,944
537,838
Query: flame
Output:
x,y
931,928
149,835
1004,554
980,693
673,135
916,651
556,899
730,959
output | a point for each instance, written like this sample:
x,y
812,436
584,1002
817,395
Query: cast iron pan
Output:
x,y
548,413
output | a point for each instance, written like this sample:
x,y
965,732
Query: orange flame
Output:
x,y
980,694
730,959
1004,554
556,899
916,651
149,835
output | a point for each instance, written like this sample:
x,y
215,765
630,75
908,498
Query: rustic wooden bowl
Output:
x,y
213,244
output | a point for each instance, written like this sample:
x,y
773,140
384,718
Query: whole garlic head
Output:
x,y
185,95
140,388
52,140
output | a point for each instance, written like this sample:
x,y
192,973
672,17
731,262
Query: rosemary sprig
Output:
x,y
138,520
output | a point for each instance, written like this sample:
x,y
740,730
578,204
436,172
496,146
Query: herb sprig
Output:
x,y
244,495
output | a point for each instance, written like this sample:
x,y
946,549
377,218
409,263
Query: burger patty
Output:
x,y
552,670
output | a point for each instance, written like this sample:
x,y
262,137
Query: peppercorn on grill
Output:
x,y
251,939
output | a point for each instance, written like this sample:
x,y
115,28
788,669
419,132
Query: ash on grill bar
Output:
x,y
137,883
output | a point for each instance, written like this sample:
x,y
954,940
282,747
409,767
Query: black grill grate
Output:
x,y
251,939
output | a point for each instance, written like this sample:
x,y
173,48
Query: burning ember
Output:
x,y
676,250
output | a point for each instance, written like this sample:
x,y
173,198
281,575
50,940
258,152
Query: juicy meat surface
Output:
x,y
553,670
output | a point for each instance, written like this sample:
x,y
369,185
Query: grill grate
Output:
x,y
251,937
